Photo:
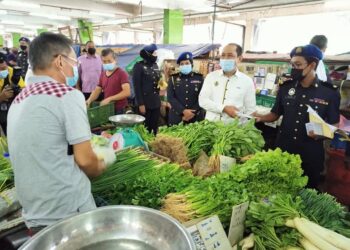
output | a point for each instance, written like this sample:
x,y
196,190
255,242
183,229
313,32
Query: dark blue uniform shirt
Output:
x,y
22,61
145,78
183,92
291,103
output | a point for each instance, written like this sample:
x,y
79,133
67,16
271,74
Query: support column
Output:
x,y
15,39
173,26
250,30
39,31
85,31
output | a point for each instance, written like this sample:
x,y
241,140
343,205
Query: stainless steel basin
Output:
x,y
127,119
114,227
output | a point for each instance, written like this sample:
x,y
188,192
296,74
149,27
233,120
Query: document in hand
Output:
x,y
318,125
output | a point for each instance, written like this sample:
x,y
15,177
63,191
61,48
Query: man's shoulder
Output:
x,y
245,77
214,74
329,85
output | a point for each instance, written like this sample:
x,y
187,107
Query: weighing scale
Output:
x,y
126,135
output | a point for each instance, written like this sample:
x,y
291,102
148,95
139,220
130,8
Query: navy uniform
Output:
x,y
292,103
183,93
22,58
146,76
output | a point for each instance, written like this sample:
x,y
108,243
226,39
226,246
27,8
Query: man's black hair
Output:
x,y
108,51
239,49
46,47
320,41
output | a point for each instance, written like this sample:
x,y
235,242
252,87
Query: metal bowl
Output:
x,y
127,119
114,227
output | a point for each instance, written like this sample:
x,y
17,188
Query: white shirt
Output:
x,y
219,91
321,71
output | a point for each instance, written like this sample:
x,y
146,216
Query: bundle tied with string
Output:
x,y
172,148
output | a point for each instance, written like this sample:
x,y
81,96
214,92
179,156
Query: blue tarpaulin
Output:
x,y
128,56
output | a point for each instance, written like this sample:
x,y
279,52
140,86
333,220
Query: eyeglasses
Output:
x,y
71,58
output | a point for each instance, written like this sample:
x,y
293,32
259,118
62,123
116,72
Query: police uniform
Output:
x,y
292,103
22,59
146,76
183,92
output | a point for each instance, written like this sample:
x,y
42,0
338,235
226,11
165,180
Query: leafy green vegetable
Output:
x,y
267,218
323,209
139,179
197,136
236,140
265,174
144,133
6,174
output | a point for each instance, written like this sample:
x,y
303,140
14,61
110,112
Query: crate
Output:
x,y
99,115
265,100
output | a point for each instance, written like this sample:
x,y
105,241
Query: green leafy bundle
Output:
x,y
237,140
269,173
265,174
323,209
138,178
144,133
196,136
267,218
6,174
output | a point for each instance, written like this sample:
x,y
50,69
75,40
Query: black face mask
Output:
x,y
153,58
91,51
23,47
148,56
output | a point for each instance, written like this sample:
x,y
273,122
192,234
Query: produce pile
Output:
x,y
266,173
309,220
214,138
196,136
6,172
138,178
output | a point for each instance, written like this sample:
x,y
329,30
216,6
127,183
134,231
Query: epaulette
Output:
x,y
329,85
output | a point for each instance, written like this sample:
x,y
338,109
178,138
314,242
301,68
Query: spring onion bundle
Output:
x,y
137,178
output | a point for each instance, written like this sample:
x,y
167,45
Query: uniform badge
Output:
x,y
216,83
291,91
196,89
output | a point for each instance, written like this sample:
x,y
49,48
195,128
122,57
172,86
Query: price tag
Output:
x,y
196,236
213,234
226,163
237,223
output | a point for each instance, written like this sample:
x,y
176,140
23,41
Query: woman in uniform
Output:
x,y
183,91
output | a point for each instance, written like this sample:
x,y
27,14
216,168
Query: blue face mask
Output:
x,y
4,74
185,69
227,65
109,67
71,81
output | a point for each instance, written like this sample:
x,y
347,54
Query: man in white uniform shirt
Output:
x,y
228,92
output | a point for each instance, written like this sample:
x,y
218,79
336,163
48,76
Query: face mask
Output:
x,y
71,81
4,74
109,66
153,58
227,65
23,47
91,51
185,69
297,74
